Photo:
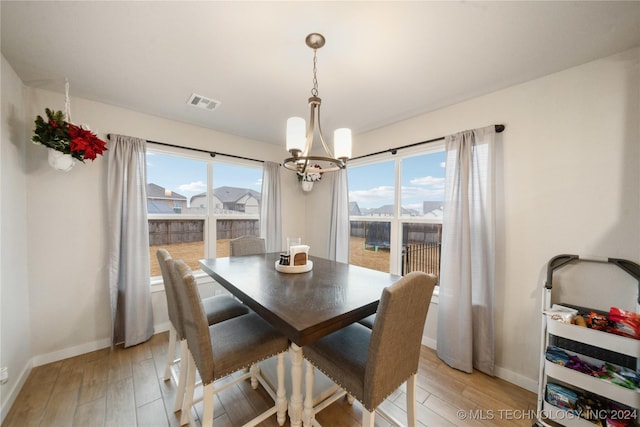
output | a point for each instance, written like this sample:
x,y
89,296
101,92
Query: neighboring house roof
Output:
x,y
155,191
430,206
233,194
434,214
387,210
354,209
157,207
230,194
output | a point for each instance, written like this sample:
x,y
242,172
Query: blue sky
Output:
x,y
372,186
189,177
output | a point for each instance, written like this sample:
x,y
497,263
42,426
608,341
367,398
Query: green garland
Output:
x,y
53,133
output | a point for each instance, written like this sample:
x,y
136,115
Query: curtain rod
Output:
x,y
498,128
211,153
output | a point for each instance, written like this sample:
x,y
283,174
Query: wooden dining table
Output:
x,y
302,306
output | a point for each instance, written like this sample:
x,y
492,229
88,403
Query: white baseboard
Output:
x,y
13,393
55,356
161,327
517,379
502,373
77,350
429,342
65,353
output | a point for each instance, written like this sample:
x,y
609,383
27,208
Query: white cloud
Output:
x,y
375,197
422,193
193,187
428,181
443,164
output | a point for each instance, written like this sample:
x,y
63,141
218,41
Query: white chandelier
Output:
x,y
300,137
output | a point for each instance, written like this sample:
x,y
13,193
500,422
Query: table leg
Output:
x,y
295,404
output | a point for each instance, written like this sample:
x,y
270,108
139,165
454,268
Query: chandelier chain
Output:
x,y
314,91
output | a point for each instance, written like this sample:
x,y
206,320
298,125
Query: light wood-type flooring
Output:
x,y
124,387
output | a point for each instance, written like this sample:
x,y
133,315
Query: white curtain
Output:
x,y
129,275
271,208
338,247
465,307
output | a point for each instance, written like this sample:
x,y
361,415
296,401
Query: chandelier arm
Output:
x,y
324,144
297,164
310,128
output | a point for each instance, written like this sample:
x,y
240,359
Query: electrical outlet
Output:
x,y
4,375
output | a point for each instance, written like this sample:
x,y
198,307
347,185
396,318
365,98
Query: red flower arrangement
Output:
x,y
67,138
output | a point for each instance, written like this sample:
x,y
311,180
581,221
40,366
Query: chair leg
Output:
x,y
411,401
171,352
185,416
207,412
182,379
255,371
281,393
307,412
368,418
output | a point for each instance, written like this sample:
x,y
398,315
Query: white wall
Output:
x,y
571,175
15,331
68,223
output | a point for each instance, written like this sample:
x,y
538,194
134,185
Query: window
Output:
x,y
395,210
371,207
192,201
236,203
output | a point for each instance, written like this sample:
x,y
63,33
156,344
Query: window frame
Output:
x,y
397,221
210,218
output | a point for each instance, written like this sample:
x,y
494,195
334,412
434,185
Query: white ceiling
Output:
x,y
383,61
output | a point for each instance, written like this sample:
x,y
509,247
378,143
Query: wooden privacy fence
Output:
x,y
421,257
166,232
170,231
232,228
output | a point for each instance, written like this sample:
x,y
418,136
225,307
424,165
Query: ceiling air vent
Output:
x,y
203,102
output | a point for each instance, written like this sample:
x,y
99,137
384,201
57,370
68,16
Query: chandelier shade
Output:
x,y
296,138
299,136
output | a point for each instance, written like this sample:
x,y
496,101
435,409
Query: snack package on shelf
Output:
x,y
561,313
593,408
623,322
621,416
606,371
598,321
620,375
562,397
580,365
557,355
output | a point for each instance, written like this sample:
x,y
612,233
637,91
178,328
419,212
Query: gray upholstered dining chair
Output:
x,y
246,245
219,350
217,309
369,364
370,320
